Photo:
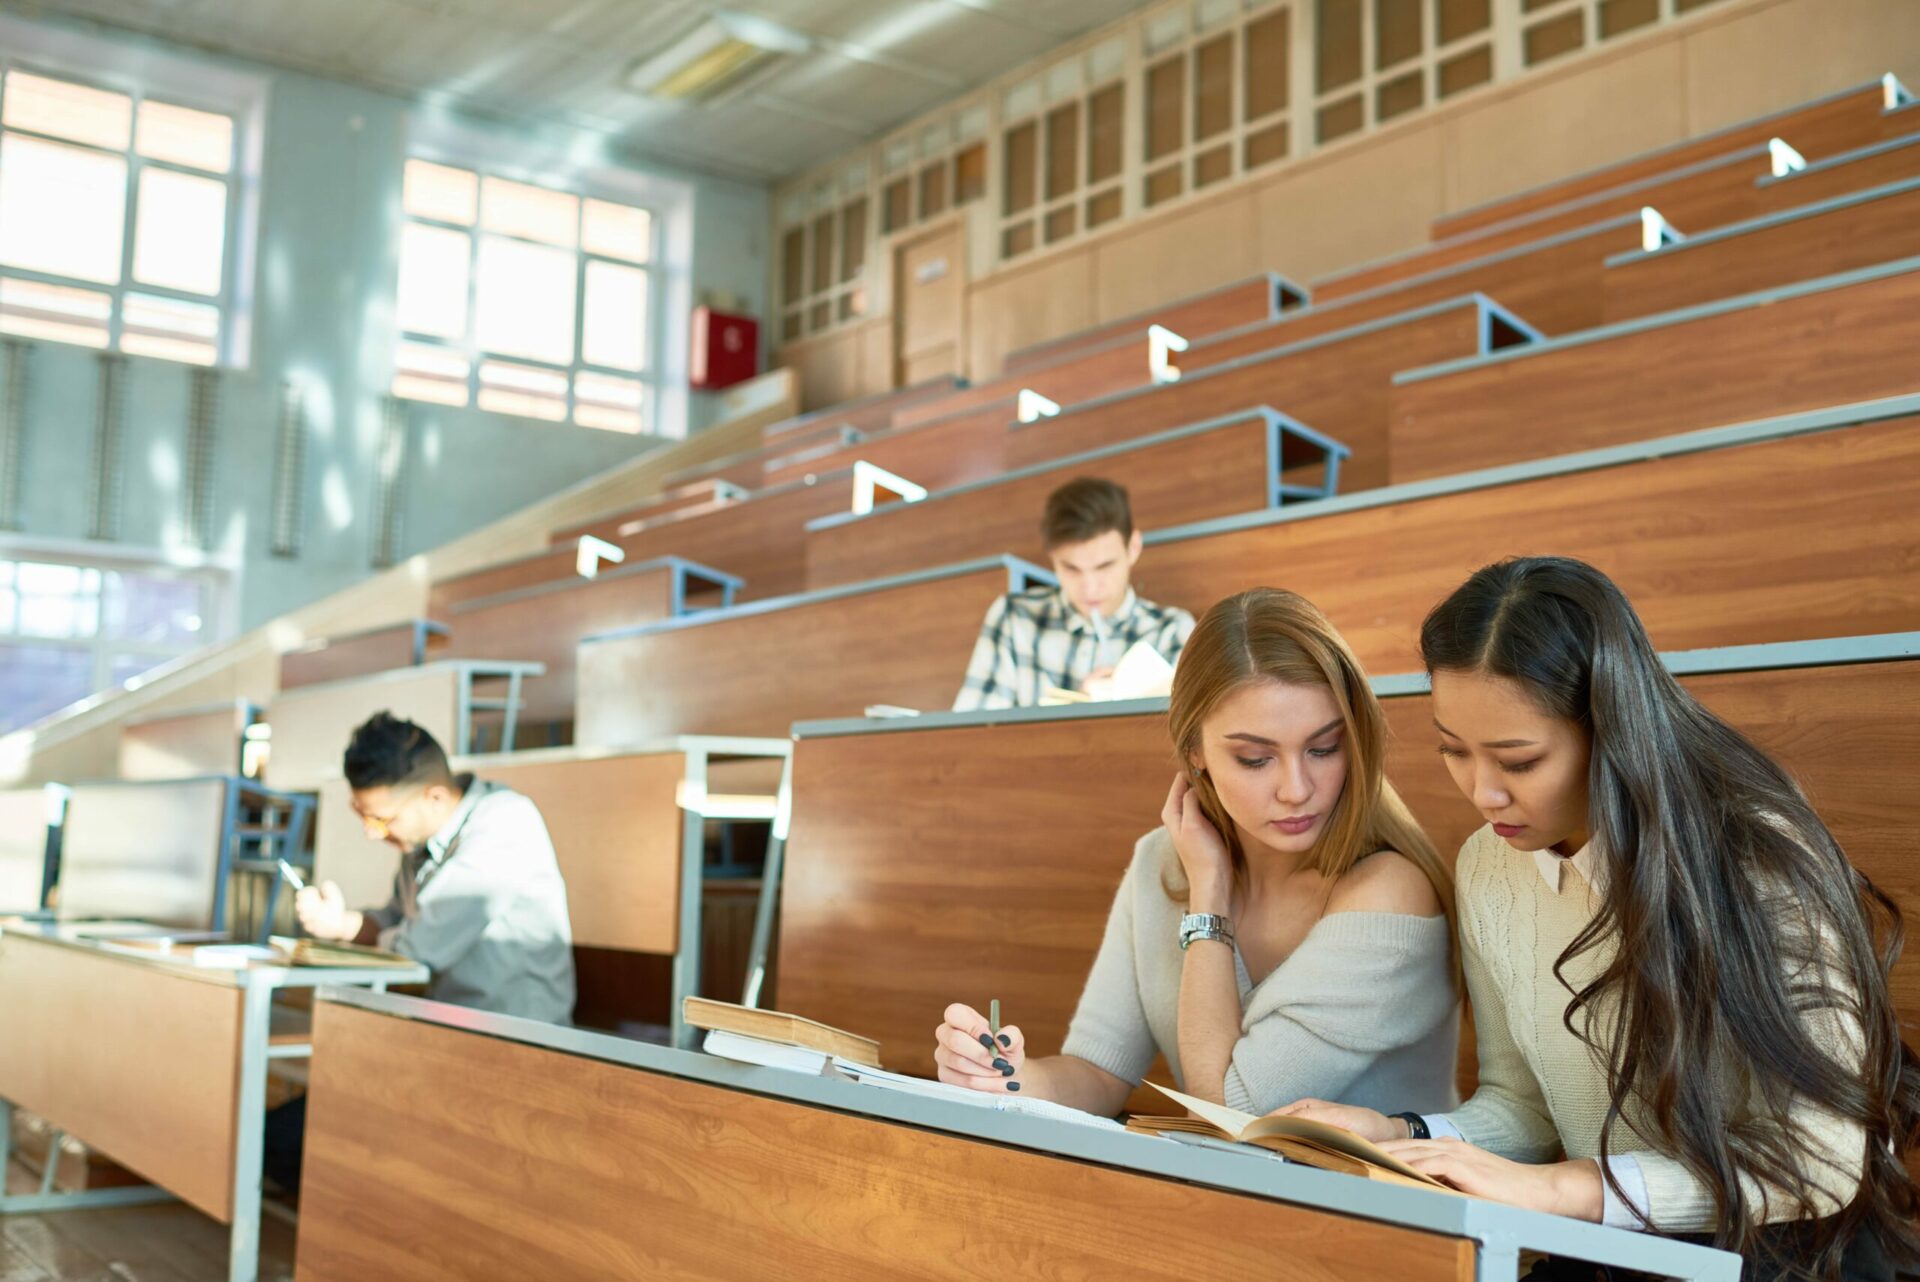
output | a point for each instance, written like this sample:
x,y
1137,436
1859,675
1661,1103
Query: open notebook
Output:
x,y
1142,673
1331,1148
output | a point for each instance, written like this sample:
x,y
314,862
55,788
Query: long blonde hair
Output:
x,y
1268,634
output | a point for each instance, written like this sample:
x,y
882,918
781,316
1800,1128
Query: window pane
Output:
x,y
435,265
1213,87
612,404
441,193
523,390
170,328
617,231
152,610
58,611
37,680
198,139
1396,32
423,372
62,314
9,611
45,579
534,213
1166,106
67,110
616,317
1266,63
970,174
1022,156
180,231
1063,150
853,239
1460,18
62,209
524,303
1337,48
1106,124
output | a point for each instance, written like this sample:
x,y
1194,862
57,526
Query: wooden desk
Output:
x,y
1337,384
359,654
544,623
1190,474
1889,161
1244,302
1823,127
710,491
1120,362
972,824
1691,527
954,449
161,1065
875,411
1692,197
152,850
705,1168
1744,358
208,739
756,669
29,821
628,830
313,724
1844,234
557,563
748,468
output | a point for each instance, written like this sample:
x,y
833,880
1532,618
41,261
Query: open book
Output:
x,y
1142,673
332,952
786,1030
1330,1148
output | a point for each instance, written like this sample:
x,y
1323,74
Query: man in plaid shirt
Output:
x,y
1073,635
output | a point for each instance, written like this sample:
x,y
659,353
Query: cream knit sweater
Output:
x,y
1543,1091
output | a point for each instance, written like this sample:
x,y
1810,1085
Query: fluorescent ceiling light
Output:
x,y
715,56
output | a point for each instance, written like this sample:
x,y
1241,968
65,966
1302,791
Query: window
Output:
x,y
1063,140
116,219
69,630
522,299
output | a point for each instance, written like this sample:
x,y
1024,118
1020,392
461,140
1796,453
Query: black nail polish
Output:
x,y
1013,1086
986,1041
1006,1041
1006,1069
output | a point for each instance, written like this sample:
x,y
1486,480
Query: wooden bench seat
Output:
x,y
1891,160
1741,358
1707,194
545,623
1842,234
972,824
355,654
758,668
1337,383
1823,127
1257,298
1119,363
1195,473
955,449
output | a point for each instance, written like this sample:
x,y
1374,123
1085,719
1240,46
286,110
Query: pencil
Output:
x,y
993,1018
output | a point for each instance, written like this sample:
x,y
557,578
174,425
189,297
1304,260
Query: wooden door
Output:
x,y
930,292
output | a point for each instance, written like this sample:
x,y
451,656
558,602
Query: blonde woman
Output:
x,y
1287,931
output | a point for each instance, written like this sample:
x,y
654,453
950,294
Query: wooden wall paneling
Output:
x,y
758,539
545,623
1818,129
1805,347
1172,479
400,645
186,742
757,671
693,1179
1337,384
1826,239
1695,539
1029,305
1886,162
965,446
1240,303
1701,196
130,1060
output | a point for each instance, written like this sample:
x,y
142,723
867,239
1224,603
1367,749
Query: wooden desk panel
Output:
x,y
363,653
1120,363
552,566
311,726
192,741
545,624
1816,129
1825,347
957,449
1339,387
1810,536
761,539
1240,303
79,1023
756,673
1219,472
1721,191
434,1153
1843,177
23,848
677,498
868,412
1837,240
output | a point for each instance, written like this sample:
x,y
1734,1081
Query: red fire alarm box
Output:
x,y
726,349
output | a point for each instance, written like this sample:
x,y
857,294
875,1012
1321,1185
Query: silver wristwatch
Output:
x,y
1205,926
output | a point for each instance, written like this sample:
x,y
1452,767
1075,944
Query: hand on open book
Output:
x,y
961,1050
1572,1189
1364,1122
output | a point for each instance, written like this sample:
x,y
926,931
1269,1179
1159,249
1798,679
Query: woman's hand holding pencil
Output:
x,y
971,1052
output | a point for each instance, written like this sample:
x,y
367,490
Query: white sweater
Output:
x,y
1543,1091
1362,1011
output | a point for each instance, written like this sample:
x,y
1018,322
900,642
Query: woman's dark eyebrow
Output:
x,y
1334,724
1500,743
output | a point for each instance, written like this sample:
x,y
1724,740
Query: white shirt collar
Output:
x,y
1585,861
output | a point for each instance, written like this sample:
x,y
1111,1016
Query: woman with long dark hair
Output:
x,y
1679,982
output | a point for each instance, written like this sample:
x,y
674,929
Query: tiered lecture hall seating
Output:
x,y
1694,368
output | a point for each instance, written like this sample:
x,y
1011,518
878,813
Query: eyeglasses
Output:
x,y
380,827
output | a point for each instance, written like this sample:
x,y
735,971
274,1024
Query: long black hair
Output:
x,y
1736,917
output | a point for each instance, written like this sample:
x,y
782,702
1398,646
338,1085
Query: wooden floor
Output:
x,y
162,1243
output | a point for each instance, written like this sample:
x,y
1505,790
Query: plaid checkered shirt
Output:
x,y
1035,639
